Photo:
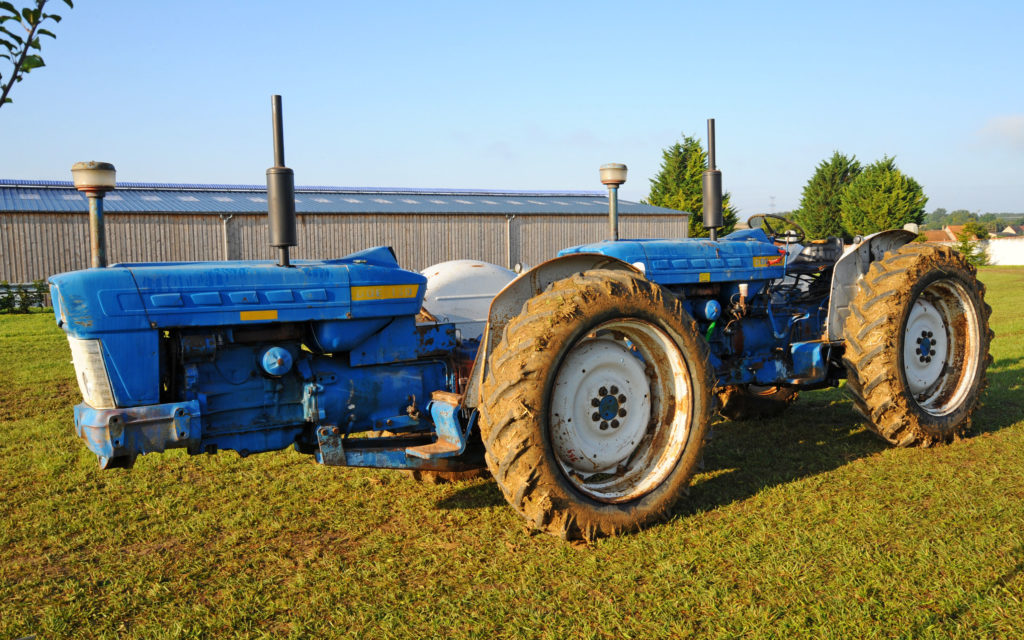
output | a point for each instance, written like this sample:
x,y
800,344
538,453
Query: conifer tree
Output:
x,y
678,185
819,211
881,197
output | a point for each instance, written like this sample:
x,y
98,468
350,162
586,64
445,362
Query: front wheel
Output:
x,y
596,405
917,341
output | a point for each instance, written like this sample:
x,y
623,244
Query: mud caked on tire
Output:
x,y
917,342
752,402
596,405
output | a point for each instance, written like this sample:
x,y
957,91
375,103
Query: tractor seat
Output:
x,y
816,255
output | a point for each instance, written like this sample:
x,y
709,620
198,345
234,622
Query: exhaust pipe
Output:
x,y
280,192
613,175
712,187
95,179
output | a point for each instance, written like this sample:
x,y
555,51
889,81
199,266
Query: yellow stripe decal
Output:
x,y
385,292
270,314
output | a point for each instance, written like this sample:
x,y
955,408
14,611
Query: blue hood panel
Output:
x,y
741,256
127,306
129,297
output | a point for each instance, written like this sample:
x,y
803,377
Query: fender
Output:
x,y
510,300
850,268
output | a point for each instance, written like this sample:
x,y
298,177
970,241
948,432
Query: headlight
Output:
x,y
92,373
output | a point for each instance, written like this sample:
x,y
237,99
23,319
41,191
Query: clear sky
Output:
x,y
529,95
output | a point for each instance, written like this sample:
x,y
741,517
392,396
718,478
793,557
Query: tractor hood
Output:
x,y
114,316
741,255
144,296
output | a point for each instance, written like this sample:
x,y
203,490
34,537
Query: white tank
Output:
x,y
460,291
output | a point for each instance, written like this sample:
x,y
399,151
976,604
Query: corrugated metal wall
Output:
x,y
34,246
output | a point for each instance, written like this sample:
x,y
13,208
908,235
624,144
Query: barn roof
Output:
x,y
54,196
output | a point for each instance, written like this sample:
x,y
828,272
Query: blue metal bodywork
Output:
x,y
254,357
742,256
773,336
328,357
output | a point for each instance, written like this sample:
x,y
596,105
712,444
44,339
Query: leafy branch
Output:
x,y
21,49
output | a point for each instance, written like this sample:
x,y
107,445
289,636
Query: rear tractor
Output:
x,y
585,385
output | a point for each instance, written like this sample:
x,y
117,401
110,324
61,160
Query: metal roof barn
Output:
x,y
44,224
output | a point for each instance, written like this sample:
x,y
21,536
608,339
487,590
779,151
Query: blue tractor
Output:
x,y
586,386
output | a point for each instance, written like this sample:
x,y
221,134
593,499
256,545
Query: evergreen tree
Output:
x,y
881,197
678,186
819,213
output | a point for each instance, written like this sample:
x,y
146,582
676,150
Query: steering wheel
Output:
x,y
796,235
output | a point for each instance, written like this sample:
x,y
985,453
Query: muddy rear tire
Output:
x,y
752,402
596,405
917,342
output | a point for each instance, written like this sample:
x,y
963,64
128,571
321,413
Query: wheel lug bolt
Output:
x,y
603,391
927,359
933,352
622,413
622,398
604,426
615,424
613,390
594,402
919,341
929,334
595,417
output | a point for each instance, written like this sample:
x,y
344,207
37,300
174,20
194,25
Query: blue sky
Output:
x,y
530,95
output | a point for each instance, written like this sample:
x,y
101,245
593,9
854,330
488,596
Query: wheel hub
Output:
x,y
595,431
610,407
927,345
620,409
940,346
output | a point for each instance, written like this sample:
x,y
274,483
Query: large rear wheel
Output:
x,y
917,341
596,405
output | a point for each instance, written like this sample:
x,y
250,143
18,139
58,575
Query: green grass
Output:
x,y
804,526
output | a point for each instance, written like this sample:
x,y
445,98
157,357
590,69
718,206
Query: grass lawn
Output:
x,y
803,526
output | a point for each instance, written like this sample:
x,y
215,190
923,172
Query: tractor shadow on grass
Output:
x,y
476,495
1003,403
819,433
743,458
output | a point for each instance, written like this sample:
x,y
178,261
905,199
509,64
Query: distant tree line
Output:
x,y
991,222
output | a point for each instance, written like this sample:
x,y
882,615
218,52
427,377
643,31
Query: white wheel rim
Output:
x,y
941,342
618,424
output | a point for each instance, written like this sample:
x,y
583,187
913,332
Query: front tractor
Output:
x,y
585,385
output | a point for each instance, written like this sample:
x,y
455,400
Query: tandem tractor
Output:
x,y
585,385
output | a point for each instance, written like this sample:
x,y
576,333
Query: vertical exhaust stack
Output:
x,y
280,192
712,187
613,175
